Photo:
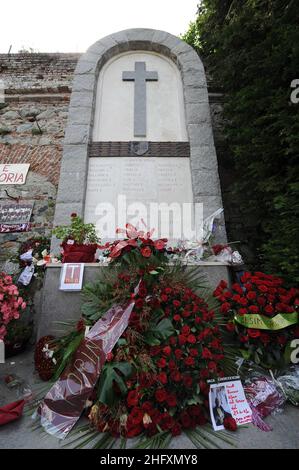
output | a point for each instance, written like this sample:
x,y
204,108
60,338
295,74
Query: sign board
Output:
x,y
71,276
15,217
14,173
227,399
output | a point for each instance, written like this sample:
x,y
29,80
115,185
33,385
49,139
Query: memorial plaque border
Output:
x,y
128,149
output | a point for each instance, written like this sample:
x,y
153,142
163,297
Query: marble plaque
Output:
x,y
141,184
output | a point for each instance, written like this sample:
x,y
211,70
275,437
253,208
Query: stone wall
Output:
x,y
32,123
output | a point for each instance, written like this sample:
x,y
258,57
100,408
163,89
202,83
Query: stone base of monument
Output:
x,y
60,306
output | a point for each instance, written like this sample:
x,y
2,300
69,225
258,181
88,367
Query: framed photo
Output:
x,y
71,277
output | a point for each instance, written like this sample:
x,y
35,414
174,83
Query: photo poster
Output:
x,y
71,277
227,398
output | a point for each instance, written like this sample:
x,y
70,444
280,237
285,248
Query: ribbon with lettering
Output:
x,y
66,400
260,322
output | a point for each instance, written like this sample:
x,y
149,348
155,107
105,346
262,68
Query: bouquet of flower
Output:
x,y
11,303
261,315
153,382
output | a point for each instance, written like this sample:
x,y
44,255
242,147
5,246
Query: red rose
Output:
x,y
161,395
242,311
212,365
168,290
230,327
139,303
204,373
136,416
176,317
185,330
189,361
146,252
230,423
263,288
243,301
133,398
176,376
188,381
176,430
171,400
172,364
161,362
162,377
73,215
182,340
176,303
253,309
191,339
172,340
261,301
147,406
253,333
178,353
167,350
265,338
185,419
225,307
251,295
269,310
164,298
198,320
206,353
134,431
193,352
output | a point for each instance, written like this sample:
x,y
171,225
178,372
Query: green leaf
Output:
x,y
117,372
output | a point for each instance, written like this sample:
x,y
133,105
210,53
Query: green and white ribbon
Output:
x,y
260,322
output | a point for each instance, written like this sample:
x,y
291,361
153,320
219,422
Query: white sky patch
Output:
x,y
72,26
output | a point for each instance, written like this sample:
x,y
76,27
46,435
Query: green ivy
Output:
x,y
251,48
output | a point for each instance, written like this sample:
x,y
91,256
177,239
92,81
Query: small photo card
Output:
x,y
71,277
227,399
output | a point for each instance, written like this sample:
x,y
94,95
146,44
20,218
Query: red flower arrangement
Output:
x,y
261,315
174,395
137,241
11,303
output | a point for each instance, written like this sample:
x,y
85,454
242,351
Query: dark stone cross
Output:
x,y
140,76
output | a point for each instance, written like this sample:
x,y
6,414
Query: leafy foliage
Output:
x,y
251,48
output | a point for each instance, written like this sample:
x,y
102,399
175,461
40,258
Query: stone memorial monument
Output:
x,y
138,132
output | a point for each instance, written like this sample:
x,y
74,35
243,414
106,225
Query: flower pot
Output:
x,y
79,253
